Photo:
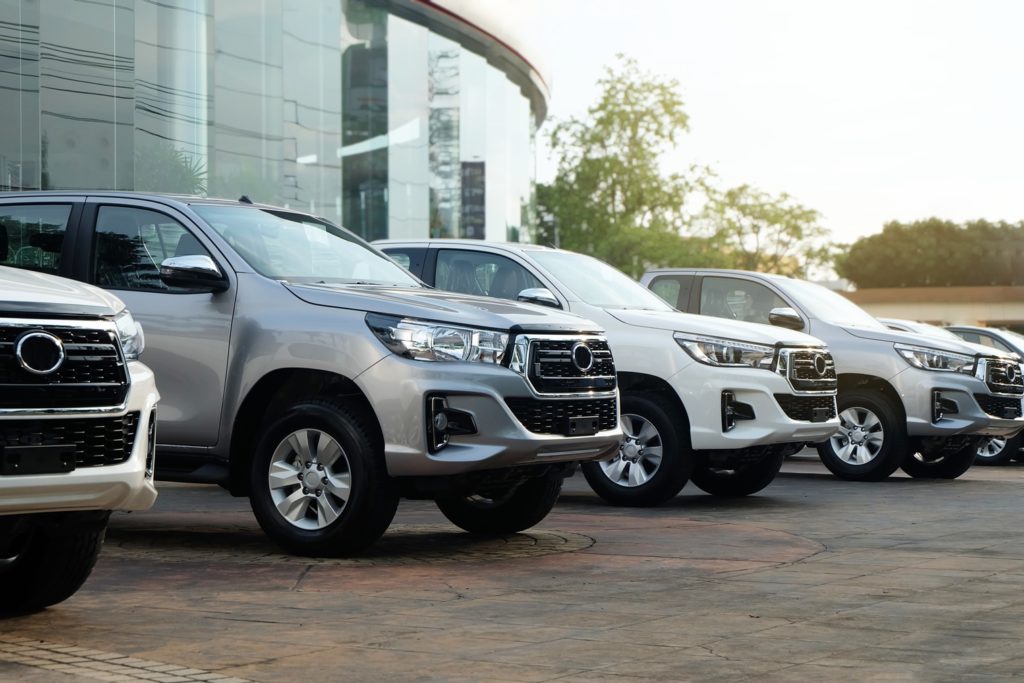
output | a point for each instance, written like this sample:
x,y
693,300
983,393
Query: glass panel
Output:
x,y
737,299
473,272
32,235
132,243
668,289
596,283
408,114
443,132
20,153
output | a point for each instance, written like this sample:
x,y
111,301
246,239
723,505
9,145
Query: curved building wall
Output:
x,y
400,119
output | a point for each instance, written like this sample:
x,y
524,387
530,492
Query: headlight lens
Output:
x,y
423,340
133,341
933,359
726,352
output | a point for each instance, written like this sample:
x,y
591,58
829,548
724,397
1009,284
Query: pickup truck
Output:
x,y
77,413
909,401
716,402
304,369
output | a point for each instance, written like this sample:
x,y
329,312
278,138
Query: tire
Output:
x,y
938,463
743,481
50,564
520,507
654,461
872,452
321,445
998,450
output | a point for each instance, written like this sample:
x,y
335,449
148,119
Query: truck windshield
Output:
x,y
596,283
299,248
827,305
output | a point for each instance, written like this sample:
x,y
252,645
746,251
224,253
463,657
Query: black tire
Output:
x,y
742,481
520,507
672,472
372,500
932,463
50,563
988,455
892,449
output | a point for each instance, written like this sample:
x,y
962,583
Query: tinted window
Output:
x,y
675,289
32,235
993,342
475,272
737,299
969,336
595,282
131,244
409,258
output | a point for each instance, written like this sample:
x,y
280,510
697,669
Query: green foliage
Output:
x,y
773,234
937,253
610,198
161,167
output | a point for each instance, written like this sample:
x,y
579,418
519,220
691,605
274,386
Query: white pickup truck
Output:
x,y
77,412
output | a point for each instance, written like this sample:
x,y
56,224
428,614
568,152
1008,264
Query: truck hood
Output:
x,y
675,321
40,294
442,306
900,337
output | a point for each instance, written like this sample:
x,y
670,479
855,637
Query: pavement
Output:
x,y
812,579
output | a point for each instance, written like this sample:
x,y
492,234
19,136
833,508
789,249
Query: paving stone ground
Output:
x,y
813,579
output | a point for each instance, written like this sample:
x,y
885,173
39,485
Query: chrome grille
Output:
x,y
1003,377
551,369
808,369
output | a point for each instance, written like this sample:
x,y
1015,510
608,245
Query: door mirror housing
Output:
x,y
538,295
197,271
786,317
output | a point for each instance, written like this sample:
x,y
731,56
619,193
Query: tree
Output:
x,y
767,233
610,197
936,253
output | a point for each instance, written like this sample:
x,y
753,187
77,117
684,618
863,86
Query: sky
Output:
x,y
868,111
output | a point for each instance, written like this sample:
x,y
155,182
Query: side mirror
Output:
x,y
197,271
538,295
786,317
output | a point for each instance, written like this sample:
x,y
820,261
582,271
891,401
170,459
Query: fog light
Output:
x,y
733,410
151,446
942,406
444,422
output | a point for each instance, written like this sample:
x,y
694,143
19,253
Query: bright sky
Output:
x,y
866,111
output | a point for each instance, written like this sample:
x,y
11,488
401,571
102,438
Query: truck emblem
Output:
x,y
582,357
1011,374
40,353
820,365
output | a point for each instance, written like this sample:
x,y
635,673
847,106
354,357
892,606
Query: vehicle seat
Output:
x,y
505,284
462,278
714,303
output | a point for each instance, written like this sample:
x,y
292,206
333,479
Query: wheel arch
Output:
x,y
851,381
271,394
650,384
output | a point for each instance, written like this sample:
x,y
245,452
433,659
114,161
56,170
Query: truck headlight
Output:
x,y
933,359
133,341
424,340
726,352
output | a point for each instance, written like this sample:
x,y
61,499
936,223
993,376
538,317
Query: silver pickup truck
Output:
x,y
77,412
301,367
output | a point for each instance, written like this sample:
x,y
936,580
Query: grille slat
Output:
x,y
93,373
997,380
551,369
97,441
999,406
552,416
802,408
803,375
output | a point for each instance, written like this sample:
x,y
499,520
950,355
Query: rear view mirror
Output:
x,y
197,271
538,295
786,317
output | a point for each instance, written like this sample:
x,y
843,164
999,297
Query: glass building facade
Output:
x,y
365,112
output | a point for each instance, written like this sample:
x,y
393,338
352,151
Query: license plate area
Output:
x,y
54,459
582,426
821,414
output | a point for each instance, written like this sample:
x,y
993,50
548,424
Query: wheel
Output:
x,y
872,437
998,450
654,461
742,481
939,460
49,564
517,507
318,482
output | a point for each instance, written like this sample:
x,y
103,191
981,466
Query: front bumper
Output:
x,y
124,486
916,388
397,389
700,388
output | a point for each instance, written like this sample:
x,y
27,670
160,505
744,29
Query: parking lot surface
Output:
x,y
812,579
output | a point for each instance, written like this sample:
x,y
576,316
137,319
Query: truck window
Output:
x,y
477,272
675,289
32,235
736,299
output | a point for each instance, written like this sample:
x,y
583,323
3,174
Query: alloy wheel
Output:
x,y
991,446
639,456
310,479
860,436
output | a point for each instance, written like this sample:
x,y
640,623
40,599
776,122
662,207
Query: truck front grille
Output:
x,y
552,369
93,373
552,416
810,369
803,408
1004,377
97,441
999,406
